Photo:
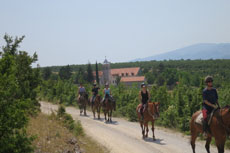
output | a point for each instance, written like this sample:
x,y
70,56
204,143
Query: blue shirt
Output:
x,y
211,96
107,91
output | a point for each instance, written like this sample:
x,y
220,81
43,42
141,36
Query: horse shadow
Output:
x,y
82,115
100,119
112,123
157,141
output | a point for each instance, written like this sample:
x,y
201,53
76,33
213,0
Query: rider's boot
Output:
x,y
205,127
142,113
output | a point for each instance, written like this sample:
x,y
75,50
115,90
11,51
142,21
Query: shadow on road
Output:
x,y
84,115
157,141
113,122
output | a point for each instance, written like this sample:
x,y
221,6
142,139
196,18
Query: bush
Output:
x,y
18,83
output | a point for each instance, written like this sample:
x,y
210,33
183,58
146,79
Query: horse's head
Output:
x,y
156,109
98,98
225,114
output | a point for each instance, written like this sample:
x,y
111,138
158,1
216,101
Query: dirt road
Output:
x,y
122,136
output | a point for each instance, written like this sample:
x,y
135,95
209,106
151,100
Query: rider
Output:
x,y
144,97
210,100
81,90
107,94
95,92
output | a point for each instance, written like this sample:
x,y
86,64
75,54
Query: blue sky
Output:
x,y
78,32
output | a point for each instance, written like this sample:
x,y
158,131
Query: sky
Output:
x,y
65,32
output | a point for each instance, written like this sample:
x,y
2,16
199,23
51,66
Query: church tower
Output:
x,y
106,77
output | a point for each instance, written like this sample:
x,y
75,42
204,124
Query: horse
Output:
x,y
150,115
108,108
83,100
219,129
96,106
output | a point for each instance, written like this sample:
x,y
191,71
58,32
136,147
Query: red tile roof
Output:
x,y
133,79
133,71
100,73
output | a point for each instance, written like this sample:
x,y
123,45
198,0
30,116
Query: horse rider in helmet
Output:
x,y
210,101
107,94
144,97
81,90
95,92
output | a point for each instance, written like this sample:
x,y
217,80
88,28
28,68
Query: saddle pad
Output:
x,y
139,110
199,119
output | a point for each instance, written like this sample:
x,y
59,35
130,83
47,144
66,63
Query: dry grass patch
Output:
x,y
53,137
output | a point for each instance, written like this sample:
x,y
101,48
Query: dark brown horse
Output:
x,y
150,115
219,128
108,109
96,106
82,102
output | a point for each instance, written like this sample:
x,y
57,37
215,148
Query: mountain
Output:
x,y
197,51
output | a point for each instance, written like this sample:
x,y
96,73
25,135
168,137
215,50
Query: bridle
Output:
x,y
155,115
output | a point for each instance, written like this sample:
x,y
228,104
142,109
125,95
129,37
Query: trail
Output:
x,y
122,136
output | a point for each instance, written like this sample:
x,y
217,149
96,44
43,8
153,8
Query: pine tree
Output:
x,y
89,73
97,76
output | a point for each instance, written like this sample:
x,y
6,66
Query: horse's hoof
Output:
x,y
154,139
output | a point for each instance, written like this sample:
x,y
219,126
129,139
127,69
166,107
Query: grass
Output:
x,y
53,135
50,135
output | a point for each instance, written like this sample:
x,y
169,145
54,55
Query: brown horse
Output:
x,y
108,109
96,106
150,115
219,128
82,102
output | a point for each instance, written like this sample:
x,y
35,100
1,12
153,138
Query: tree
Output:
x,y
46,73
65,72
118,80
18,83
90,77
97,76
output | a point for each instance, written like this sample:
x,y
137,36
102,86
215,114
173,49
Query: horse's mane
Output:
x,y
227,106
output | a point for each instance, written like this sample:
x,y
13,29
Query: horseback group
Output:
x,y
107,103
212,120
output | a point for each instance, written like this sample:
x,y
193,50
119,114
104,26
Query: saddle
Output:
x,y
144,109
200,118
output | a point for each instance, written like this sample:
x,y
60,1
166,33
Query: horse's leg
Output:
x,y
85,110
80,110
220,141
194,135
109,117
147,130
98,112
143,132
142,129
207,145
93,108
153,131
105,114
111,113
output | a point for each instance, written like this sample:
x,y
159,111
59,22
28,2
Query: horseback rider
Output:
x,y
210,101
144,97
81,90
95,92
107,94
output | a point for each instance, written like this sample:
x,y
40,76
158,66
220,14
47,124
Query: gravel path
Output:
x,y
122,136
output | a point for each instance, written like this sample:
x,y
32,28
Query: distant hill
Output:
x,y
197,51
